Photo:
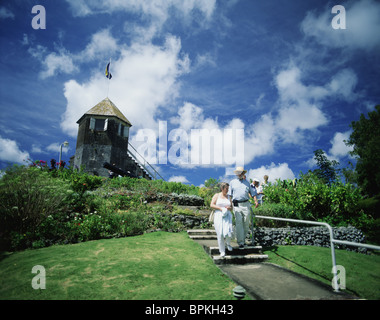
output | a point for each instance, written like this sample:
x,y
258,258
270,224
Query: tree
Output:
x,y
365,140
212,183
350,175
327,170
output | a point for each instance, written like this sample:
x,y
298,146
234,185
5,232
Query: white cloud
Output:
x,y
56,147
10,151
181,179
300,105
6,13
209,143
291,88
54,63
189,117
339,149
300,110
260,138
145,77
362,26
279,171
102,43
343,84
101,47
37,149
158,9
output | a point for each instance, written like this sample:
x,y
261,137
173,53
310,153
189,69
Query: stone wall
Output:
x,y
306,236
312,236
190,222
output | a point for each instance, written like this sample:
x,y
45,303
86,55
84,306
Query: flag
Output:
x,y
108,73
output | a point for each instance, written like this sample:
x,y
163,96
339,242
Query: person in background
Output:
x,y
259,191
222,218
265,183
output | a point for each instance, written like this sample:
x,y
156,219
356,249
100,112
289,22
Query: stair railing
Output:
x,y
144,165
332,241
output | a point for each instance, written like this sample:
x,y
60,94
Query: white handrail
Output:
x,y
332,241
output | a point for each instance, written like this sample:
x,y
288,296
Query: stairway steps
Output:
x,y
202,234
239,259
236,251
208,239
205,237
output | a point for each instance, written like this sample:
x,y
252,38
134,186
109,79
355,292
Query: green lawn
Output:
x,y
162,266
362,271
155,266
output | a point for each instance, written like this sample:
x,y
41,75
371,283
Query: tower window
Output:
x,y
123,131
98,124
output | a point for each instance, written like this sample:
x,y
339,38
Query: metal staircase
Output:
x,y
143,164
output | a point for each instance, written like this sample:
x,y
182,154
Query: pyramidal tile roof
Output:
x,y
106,108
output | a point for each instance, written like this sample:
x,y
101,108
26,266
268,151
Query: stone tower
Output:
x,y
103,135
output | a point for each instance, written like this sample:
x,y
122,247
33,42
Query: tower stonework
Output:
x,y
103,135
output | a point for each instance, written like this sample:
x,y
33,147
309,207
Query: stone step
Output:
x,y
200,232
239,259
235,250
208,240
203,237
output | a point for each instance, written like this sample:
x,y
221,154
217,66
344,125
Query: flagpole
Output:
x,y
109,78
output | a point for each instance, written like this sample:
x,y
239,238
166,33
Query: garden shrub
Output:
x,y
80,181
280,211
27,197
337,203
207,194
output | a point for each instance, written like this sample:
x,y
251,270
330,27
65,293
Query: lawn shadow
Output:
x,y
4,254
274,249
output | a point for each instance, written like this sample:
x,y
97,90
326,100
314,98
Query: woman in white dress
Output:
x,y
222,218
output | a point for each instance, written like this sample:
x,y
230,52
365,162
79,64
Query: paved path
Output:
x,y
266,281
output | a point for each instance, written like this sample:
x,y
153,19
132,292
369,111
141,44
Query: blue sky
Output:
x,y
275,70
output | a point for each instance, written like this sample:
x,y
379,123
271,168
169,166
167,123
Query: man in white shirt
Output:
x,y
240,191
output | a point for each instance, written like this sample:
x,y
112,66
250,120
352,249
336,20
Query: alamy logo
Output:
x,y
339,21
39,281
39,21
339,279
197,147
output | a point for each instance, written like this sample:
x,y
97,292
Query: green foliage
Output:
x,y
95,226
207,194
42,206
278,210
27,197
211,183
365,140
311,197
149,187
79,180
327,170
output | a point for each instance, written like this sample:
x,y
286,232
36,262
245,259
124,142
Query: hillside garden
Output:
x,y
41,206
